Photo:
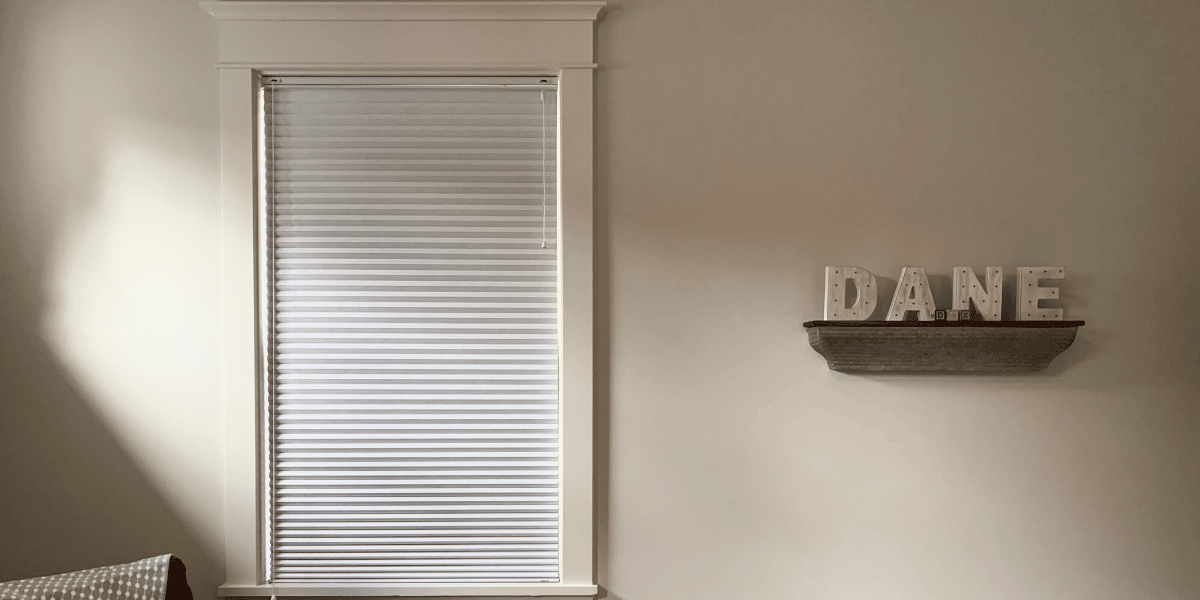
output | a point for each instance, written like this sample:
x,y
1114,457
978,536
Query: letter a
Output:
x,y
912,293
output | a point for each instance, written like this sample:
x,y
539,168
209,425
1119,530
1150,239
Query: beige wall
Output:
x,y
743,146
110,424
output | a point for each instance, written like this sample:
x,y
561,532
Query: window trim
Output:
x,y
281,37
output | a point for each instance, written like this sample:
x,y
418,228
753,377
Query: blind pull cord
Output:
x,y
543,96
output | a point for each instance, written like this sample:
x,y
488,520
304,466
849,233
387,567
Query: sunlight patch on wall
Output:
x,y
131,284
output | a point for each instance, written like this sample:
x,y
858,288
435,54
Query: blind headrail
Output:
x,y
523,83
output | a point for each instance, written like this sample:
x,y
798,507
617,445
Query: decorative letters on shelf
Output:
x,y
986,297
836,284
969,336
914,295
1029,293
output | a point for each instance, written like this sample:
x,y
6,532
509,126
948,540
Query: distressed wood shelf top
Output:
x,y
941,346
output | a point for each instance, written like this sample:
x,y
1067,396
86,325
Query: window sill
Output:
x,y
550,590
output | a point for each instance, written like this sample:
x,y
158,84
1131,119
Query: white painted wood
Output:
x,y
912,293
406,68
380,592
1029,293
299,10
239,372
987,296
575,280
420,35
402,38
534,43
863,305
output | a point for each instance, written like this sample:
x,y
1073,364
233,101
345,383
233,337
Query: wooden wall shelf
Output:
x,y
940,346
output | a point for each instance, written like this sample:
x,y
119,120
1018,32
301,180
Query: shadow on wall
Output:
x,y
71,495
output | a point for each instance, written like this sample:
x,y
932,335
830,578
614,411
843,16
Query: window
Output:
x,y
281,39
412,322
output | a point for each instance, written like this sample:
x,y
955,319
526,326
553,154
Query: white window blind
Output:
x,y
413,366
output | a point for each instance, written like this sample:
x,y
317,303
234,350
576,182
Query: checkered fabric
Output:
x,y
142,580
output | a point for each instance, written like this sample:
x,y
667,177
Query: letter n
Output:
x,y
987,296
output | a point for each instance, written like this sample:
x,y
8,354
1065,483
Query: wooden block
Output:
x,y
912,294
1029,293
951,315
835,294
987,296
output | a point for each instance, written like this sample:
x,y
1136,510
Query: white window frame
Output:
x,y
388,37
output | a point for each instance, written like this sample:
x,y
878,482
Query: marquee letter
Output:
x,y
835,294
987,297
1028,293
912,293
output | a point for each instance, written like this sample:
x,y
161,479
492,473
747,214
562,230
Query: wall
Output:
x,y
743,146
109,415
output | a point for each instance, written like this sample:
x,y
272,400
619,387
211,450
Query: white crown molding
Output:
x,y
403,10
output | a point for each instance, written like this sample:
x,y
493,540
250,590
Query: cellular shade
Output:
x,y
413,366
